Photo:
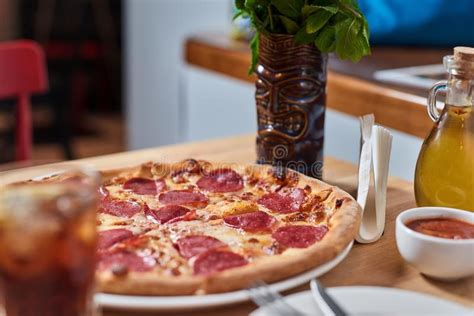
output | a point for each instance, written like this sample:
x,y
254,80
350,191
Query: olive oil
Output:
x,y
444,173
445,169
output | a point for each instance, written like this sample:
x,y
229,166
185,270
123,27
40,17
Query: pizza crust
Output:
x,y
343,225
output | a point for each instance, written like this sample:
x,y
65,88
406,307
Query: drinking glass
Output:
x,y
48,240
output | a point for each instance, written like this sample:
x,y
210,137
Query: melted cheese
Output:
x,y
209,221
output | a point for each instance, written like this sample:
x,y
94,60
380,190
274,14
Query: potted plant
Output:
x,y
289,56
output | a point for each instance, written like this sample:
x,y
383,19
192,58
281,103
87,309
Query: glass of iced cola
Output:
x,y
48,241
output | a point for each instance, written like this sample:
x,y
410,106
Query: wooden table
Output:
x,y
351,88
374,264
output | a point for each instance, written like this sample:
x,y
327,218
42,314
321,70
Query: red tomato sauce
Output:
x,y
443,227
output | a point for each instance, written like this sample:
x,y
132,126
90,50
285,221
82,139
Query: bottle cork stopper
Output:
x,y
462,53
464,58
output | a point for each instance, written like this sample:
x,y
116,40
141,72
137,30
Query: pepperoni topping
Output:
x,y
109,237
191,246
127,261
283,203
251,222
221,180
135,242
166,213
184,197
119,208
217,260
144,186
189,216
299,236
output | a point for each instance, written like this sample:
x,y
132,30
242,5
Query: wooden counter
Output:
x,y
374,264
350,89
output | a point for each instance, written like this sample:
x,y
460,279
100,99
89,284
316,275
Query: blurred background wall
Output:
x,y
158,109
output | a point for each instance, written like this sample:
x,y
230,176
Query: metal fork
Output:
x,y
325,302
262,295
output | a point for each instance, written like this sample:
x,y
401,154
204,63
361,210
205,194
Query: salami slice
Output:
x,y
221,180
283,203
191,246
217,260
183,197
109,237
166,213
124,261
119,208
144,186
299,236
251,222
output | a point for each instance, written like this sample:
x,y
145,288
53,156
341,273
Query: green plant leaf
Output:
x,y
270,17
326,39
365,35
289,8
317,20
238,14
254,46
309,9
240,4
365,30
259,15
249,4
346,33
290,25
352,3
351,42
350,8
303,37
331,25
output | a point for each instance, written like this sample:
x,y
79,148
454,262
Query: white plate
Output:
x,y
372,300
155,303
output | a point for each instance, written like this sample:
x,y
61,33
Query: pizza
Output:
x,y
197,227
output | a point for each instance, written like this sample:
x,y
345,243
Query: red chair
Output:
x,y
22,73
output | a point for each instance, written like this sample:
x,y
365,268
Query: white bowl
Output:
x,y
439,258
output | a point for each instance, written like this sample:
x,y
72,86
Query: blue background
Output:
x,y
420,22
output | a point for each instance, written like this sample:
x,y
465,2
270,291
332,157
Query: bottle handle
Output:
x,y
432,109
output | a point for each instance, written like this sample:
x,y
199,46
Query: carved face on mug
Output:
x,y
284,101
